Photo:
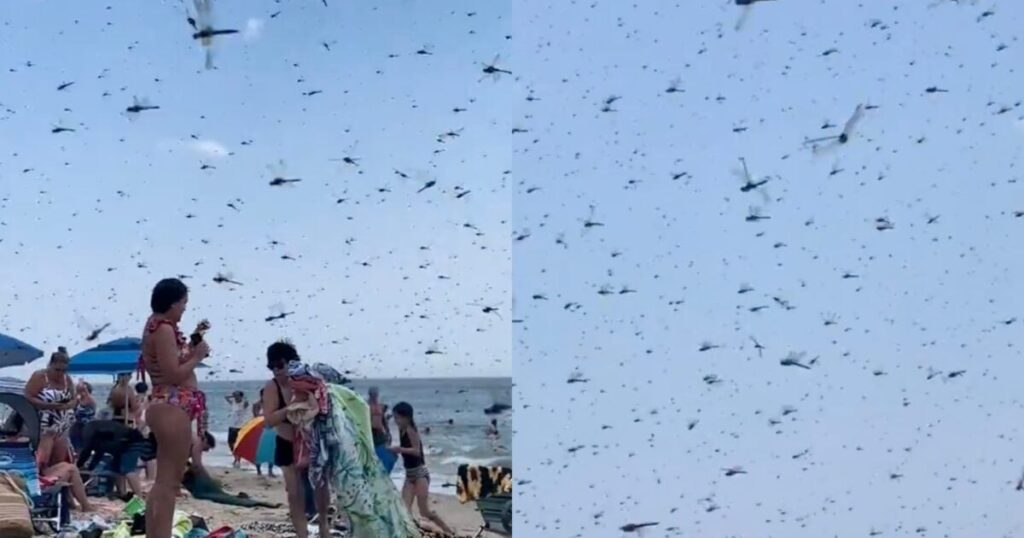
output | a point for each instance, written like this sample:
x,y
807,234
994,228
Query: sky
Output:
x,y
620,417
375,272
606,224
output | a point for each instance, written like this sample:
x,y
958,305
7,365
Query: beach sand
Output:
x,y
464,519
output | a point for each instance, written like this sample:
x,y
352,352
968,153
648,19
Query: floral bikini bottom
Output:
x,y
191,401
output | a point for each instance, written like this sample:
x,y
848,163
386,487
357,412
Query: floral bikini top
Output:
x,y
152,324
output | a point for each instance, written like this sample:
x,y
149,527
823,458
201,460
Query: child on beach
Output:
x,y
417,477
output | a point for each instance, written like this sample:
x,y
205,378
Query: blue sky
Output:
x,y
617,449
79,211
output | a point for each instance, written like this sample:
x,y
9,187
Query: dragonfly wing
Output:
x,y
852,122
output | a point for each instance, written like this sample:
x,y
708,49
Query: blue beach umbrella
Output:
x,y
14,352
119,356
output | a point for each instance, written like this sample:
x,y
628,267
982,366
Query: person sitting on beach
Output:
x,y
378,426
417,477
121,442
15,429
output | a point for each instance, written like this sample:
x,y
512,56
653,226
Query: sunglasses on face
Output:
x,y
277,366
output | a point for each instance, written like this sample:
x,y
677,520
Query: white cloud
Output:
x,y
253,29
210,149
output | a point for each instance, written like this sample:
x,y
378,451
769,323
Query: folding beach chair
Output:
x,y
496,512
50,507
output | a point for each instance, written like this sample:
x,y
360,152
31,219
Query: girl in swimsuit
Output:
x,y
417,477
51,391
175,402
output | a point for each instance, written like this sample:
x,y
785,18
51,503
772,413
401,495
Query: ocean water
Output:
x,y
435,401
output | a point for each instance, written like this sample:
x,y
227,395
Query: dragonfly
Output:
x,y
138,106
748,182
202,23
492,70
94,330
487,309
349,158
225,278
754,214
278,172
589,222
841,138
278,312
576,377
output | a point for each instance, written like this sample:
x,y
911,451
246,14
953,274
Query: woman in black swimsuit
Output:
x,y
277,394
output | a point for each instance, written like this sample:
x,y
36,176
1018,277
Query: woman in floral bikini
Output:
x,y
176,400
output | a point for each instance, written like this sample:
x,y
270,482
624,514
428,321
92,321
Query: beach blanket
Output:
x,y
364,490
477,482
204,487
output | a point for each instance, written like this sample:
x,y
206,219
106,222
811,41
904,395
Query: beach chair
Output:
x,y
50,506
496,512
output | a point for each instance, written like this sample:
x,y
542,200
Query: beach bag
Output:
x,y
15,511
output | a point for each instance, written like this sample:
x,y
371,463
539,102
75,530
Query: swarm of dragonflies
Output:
x,y
839,139
202,24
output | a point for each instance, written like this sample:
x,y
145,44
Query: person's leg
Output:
x,y
67,472
423,500
408,494
322,496
259,469
61,450
171,427
44,450
296,499
270,470
135,484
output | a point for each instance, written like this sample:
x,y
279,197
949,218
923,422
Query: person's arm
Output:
x,y
271,401
35,385
166,344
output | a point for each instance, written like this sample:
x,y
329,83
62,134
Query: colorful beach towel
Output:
x,y
478,482
364,490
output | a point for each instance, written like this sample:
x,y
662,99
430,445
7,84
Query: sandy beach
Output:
x,y
464,519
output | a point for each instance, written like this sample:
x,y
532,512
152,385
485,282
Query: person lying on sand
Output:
x,y
204,487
